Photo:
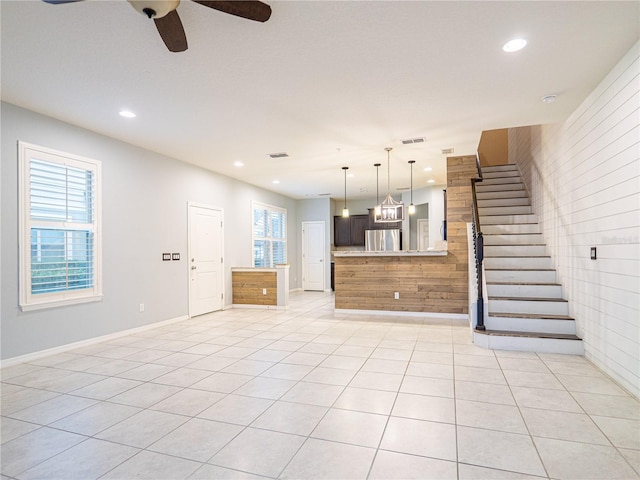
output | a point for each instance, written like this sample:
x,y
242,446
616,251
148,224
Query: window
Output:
x,y
269,230
59,228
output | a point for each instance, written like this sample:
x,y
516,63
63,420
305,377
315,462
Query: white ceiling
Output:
x,y
330,83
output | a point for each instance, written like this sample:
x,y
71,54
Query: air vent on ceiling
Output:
x,y
400,189
279,155
414,140
324,194
447,151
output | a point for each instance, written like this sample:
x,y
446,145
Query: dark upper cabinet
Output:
x,y
349,231
341,231
359,223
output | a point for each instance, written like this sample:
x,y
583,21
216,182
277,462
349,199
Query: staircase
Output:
x,y
526,308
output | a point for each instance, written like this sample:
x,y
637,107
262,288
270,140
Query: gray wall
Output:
x,y
144,208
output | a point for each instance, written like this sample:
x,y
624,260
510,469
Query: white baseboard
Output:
x,y
85,343
260,307
450,316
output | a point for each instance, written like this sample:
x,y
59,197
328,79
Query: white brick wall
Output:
x,y
584,180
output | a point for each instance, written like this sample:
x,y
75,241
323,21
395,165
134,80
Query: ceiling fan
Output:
x,y
169,25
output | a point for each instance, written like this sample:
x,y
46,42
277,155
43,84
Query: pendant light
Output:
x,y
345,210
390,210
412,207
377,208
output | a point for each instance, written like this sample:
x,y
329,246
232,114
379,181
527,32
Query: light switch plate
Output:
x,y
594,255
175,256
166,257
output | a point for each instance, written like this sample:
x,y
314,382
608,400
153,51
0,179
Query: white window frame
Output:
x,y
271,238
28,300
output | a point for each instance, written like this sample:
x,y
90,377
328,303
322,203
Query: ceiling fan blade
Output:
x,y
172,32
251,10
56,2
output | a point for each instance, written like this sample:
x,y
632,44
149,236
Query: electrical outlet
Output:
x,y
396,295
141,307
264,291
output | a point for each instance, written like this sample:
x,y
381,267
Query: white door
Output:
x,y
313,256
206,275
423,234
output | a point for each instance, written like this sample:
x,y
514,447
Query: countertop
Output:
x,y
401,253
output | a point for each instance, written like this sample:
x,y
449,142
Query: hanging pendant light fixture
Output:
x,y
412,207
390,210
345,210
377,208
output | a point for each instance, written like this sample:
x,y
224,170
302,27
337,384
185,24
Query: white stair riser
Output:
x,y
500,168
500,174
507,219
501,180
482,187
515,250
508,210
523,238
524,291
501,194
510,229
503,202
521,276
567,327
514,263
540,307
525,344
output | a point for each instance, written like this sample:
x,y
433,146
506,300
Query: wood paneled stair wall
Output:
x,y
527,310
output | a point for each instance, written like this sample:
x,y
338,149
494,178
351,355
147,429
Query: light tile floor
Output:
x,y
309,393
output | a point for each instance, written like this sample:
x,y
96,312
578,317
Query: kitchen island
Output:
x,y
423,282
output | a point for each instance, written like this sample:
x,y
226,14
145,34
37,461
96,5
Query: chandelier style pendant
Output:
x,y
389,211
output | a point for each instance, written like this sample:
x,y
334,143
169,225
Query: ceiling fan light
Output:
x,y
154,8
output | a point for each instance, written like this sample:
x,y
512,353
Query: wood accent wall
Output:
x,y
247,288
426,284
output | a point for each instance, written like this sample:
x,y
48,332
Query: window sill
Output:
x,y
59,303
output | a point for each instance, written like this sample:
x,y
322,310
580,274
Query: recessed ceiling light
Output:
x,y
549,98
427,169
514,45
127,114
276,181
238,164
431,181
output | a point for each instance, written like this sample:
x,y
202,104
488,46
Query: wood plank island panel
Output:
x,y
429,284
248,286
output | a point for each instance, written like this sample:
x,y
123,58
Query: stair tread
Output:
x,y
504,214
513,244
535,316
529,299
519,269
514,256
508,333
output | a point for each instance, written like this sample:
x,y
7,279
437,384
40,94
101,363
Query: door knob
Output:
x,y
193,267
